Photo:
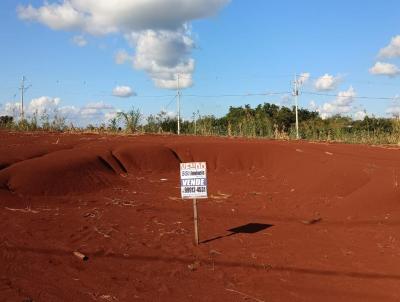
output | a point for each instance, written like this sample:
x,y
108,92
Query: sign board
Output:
x,y
193,180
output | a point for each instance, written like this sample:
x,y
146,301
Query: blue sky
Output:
x,y
218,47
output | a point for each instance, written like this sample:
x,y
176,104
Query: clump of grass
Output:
x,y
130,119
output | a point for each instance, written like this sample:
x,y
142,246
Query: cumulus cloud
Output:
x,y
43,104
381,68
122,56
303,78
99,106
158,29
11,109
57,16
394,111
360,115
345,98
326,82
392,50
394,108
79,41
91,113
312,105
341,105
110,16
37,106
164,55
123,91
110,115
285,100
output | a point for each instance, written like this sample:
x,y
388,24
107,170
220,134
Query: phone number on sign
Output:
x,y
194,189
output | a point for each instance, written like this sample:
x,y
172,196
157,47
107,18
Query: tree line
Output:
x,y
265,120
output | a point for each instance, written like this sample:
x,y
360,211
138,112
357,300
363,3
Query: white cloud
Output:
x,y
11,109
158,29
394,111
394,108
341,105
91,113
326,82
69,112
312,105
79,41
42,105
165,55
121,57
164,113
303,78
123,91
57,16
345,98
38,106
381,68
110,115
285,100
392,50
99,106
110,16
359,115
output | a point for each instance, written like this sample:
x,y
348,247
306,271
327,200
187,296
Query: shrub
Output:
x,y
130,119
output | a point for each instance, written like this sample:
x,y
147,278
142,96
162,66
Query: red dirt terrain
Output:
x,y
284,221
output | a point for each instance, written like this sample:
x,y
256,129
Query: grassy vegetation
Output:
x,y
266,121
34,123
278,122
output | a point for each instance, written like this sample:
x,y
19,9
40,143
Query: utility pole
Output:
x,y
179,107
23,89
195,124
196,115
296,95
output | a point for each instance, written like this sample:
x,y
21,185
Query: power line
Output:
x,y
170,102
354,97
357,81
236,95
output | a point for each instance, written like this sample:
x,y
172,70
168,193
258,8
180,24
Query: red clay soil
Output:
x,y
311,221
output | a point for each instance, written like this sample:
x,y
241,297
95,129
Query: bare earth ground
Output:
x,y
328,218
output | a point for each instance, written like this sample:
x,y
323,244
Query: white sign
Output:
x,y
193,180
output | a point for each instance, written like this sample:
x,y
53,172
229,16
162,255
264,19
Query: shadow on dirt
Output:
x,y
249,228
207,261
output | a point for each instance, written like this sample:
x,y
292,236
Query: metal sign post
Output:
x,y
194,186
196,224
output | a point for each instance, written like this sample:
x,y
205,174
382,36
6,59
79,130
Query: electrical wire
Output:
x,y
353,97
235,95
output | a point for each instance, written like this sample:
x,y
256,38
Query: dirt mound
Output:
x,y
16,153
60,172
146,157
304,169
90,166
85,169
